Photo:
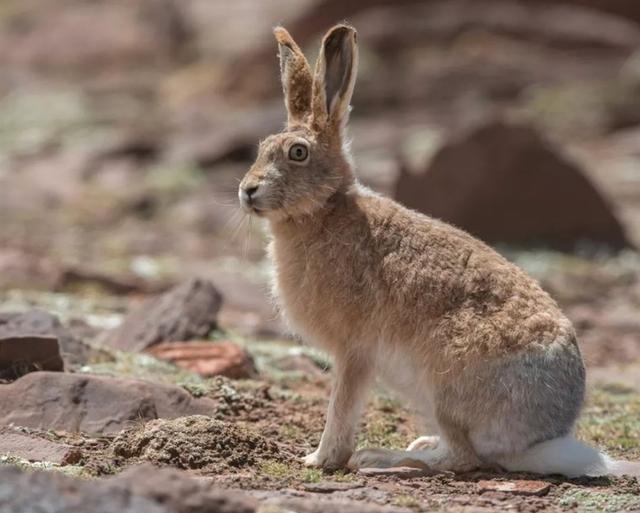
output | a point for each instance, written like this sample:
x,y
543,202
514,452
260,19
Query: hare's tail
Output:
x,y
569,457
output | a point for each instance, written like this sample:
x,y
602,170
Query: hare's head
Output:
x,y
300,168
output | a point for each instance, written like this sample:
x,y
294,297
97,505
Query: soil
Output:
x,y
195,442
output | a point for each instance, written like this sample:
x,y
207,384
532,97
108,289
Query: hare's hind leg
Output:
x,y
451,452
435,459
424,442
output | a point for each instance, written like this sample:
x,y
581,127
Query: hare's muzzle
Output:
x,y
248,195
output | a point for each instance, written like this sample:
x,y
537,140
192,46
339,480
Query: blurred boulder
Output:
x,y
503,182
92,404
21,355
81,36
149,489
416,50
207,358
37,324
186,312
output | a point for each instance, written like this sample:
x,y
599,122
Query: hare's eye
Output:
x,y
298,152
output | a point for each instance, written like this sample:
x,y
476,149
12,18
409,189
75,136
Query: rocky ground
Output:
x,y
142,367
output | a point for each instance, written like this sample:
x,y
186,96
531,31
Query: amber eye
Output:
x,y
298,153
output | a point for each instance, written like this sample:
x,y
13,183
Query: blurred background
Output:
x,y
125,126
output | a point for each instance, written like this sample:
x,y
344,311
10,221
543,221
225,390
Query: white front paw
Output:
x,y
313,460
332,459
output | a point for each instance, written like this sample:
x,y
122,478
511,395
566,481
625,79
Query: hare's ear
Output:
x,y
335,76
296,77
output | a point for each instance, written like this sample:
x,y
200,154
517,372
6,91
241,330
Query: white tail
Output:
x,y
569,457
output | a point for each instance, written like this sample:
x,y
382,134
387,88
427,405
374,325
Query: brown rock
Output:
x,y
520,487
223,358
32,448
186,312
150,489
21,355
36,322
92,404
504,183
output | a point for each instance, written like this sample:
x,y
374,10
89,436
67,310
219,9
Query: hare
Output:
x,y
467,337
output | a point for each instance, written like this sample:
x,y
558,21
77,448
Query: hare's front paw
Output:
x,y
327,460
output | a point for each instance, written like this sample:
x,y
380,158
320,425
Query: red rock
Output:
x,y
222,358
504,183
93,404
21,355
520,487
186,312
32,448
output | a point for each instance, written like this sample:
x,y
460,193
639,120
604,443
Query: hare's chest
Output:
x,y
313,297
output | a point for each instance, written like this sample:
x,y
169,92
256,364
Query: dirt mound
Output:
x,y
195,442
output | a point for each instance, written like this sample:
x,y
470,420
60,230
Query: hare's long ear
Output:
x,y
335,77
296,77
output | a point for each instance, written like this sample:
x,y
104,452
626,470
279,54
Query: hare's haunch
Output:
x,y
472,341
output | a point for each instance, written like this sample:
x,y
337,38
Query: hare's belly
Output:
x,y
406,376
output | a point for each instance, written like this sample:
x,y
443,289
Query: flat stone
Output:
x,y
519,487
93,404
20,355
32,448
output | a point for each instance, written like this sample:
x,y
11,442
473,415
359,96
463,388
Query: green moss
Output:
x,y
70,470
312,475
406,501
276,469
385,427
588,501
612,421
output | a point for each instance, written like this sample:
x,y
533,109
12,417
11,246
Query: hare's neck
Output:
x,y
311,227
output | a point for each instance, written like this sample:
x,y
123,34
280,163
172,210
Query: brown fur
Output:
x,y
467,336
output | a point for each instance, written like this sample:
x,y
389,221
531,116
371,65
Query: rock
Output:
x,y
149,489
40,323
504,183
186,312
221,358
520,487
180,492
21,355
25,492
196,442
92,404
32,448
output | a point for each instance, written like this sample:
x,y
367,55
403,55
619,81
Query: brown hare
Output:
x,y
467,337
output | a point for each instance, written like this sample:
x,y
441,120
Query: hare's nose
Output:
x,y
247,193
